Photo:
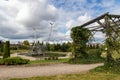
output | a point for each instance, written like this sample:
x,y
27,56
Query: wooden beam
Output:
x,y
98,26
94,20
115,16
97,30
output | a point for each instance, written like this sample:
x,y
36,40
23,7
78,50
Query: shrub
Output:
x,y
6,50
51,58
108,68
13,61
1,53
80,36
91,59
13,48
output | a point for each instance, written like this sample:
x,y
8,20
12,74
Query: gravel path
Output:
x,y
7,72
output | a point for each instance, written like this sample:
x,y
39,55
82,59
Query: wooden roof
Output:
x,y
113,20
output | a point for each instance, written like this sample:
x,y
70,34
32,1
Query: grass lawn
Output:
x,y
49,61
84,76
16,51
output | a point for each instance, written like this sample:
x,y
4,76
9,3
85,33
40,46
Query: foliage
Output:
x,y
112,41
89,60
64,47
52,58
26,42
80,36
94,56
1,46
13,61
1,53
44,62
13,48
93,46
18,51
54,54
24,47
108,68
6,50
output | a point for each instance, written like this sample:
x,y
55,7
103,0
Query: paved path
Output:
x,y
32,71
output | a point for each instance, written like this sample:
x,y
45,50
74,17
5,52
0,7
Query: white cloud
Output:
x,y
84,18
70,24
99,37
107,3
19,17
80,20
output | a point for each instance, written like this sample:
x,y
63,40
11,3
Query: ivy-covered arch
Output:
x,y
81,36
108,24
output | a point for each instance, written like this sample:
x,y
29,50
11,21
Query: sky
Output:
x,y
33,19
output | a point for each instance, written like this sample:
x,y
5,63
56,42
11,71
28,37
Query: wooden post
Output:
x,y
107,27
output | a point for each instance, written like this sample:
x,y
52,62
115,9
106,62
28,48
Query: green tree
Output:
x,y
1,46
47,46
80,36
26,42
112,41
6,49
64,47
69,46
52,47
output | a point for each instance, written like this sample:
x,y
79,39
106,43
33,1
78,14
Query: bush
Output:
x,y
13,48
6,50
91,59
13,61
1,53
51,58
106,68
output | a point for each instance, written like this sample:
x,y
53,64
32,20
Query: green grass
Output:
x,y
56,52
16,51
113,67
90,60
49,61
91,75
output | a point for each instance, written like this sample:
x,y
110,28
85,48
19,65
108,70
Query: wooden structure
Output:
x,y
109,20
108,24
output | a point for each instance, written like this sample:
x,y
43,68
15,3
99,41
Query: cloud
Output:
x,y
31,14
70,24
21,19
84,18
107,3
79,21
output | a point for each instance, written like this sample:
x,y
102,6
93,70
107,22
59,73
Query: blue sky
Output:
x,y
98,6
32,17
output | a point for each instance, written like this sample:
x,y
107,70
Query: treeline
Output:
x,y
26,45
61,47
64,47
1,46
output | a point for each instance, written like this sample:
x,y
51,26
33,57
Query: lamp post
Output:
x,y
51,28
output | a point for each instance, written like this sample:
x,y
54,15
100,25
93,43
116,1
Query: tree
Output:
x,y
69,47
47,46
52,47
1,46
6,49
80,37
26,42
112,41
